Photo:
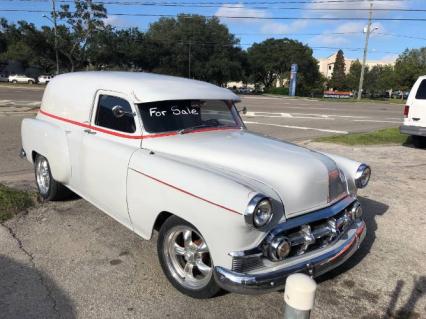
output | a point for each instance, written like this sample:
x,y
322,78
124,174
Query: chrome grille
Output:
x,y
318,234
245,264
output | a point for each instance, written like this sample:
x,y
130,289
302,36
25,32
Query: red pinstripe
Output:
x,y
186,192
139,137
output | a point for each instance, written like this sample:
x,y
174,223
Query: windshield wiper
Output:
x,y
191,128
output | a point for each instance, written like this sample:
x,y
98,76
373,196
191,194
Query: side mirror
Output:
x,y
243,110
119,112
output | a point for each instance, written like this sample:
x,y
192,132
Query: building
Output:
x,y
326,65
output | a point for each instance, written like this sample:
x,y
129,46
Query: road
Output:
x,y
70,260
283,117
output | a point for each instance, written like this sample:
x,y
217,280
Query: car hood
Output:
x,y
304,180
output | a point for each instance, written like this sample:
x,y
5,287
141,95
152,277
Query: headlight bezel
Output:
x,y
360,181
252,206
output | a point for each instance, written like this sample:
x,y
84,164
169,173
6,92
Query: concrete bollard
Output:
x,y
299,296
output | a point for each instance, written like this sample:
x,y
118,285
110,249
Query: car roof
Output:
x,y
72,94
147,87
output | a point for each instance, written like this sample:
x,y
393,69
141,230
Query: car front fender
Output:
x,y
214,204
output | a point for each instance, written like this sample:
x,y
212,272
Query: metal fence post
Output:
x,y
299,296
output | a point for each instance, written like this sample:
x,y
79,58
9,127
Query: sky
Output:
x,y
388,40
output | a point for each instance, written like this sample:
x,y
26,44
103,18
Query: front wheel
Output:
x,y
48,188
185,259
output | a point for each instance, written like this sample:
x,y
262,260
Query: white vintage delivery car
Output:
x,y
234,209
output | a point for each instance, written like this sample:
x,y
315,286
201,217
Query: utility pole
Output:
x,y
189,59
55,32
55,26
364,60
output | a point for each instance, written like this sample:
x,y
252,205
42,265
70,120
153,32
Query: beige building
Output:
x,y
326,65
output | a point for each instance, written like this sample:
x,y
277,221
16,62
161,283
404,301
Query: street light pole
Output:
x,y
364,60
55,33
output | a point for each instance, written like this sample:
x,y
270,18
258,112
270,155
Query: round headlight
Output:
x,y
259,211
262,213
362,176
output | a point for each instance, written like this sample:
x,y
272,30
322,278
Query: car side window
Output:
x,y
106,118
421,91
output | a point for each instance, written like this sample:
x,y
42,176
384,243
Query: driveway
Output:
x,y
69,260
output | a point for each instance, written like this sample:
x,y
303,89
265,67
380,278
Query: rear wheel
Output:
x,y
14,81
185,259
30,82
419,141
48,188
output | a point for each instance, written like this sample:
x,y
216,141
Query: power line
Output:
x,y
189,16
236,3
225,5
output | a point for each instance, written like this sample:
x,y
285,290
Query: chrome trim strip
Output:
x,y
275,280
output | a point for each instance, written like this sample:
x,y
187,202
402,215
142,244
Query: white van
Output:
x,y
415,113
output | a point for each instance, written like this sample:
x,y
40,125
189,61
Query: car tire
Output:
x,y
185,259
48,188
419,141
14,81
31,82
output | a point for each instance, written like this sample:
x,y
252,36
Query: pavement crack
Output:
x,y
21,247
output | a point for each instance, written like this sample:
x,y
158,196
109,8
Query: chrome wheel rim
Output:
x,y
188,257
43,175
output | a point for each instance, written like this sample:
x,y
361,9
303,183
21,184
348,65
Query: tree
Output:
x,y
272,59
338,78
352,79
25,45
85,20
197,47
380,78
409,66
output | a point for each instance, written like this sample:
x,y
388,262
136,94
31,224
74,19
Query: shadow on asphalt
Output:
x,y
25,292
371,209
407,310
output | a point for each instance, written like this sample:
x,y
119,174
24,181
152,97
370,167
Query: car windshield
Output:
x,y
186,115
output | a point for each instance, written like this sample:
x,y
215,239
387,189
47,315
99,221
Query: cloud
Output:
x,y
271,27
117,21
239,10
351,31
356,5
265,26
329,40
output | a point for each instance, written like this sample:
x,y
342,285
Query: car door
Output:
x,y
417,113
107,147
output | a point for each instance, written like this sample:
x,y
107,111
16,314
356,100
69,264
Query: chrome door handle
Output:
x,y
89,131
416,118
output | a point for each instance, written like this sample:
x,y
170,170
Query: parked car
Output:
x,y
18,78
4,78
400,95
44,79
234,209
415,113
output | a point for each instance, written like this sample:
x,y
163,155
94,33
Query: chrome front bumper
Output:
x,y
275,278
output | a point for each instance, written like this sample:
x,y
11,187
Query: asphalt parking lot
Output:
x,y
69,260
